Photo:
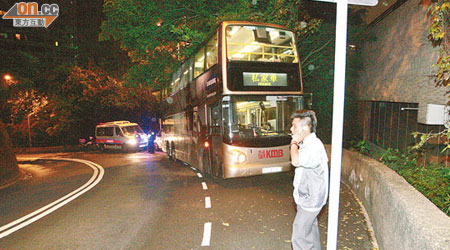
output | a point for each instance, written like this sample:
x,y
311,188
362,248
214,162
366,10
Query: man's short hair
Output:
x,y
309,116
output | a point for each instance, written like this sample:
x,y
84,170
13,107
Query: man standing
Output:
x,y
309,157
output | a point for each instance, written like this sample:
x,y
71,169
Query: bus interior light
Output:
x,y
274,34
206,145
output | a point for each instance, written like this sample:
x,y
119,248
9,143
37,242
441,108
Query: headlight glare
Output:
x,y
132,141
238,156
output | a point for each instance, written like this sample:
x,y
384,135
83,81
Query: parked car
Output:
x,y
121,135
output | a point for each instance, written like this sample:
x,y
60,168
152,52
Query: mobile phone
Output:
x,y
302,129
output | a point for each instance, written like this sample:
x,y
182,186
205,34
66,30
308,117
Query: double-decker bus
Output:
x,y
228,107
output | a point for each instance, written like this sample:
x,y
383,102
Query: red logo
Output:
x,y
262,154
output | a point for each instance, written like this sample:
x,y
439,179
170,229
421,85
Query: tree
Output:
x,y
8,163
439,36
159,42
159,35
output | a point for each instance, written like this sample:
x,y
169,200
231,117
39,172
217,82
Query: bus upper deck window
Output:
x,y
211,53
260,43
199,62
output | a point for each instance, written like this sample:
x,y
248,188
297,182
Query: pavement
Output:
x,y
354,231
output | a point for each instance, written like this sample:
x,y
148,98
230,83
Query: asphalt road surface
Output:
x,y
145,201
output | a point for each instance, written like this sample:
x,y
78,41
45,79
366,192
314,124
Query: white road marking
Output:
x,y
207,202
206,234
38,214
204,186
199,175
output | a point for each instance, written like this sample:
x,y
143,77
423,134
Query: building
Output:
x,y
396,91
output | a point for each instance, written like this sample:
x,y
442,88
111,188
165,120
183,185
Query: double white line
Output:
x,y
38,214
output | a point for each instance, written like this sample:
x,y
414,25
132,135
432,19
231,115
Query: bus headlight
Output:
x,y
132,141
238,156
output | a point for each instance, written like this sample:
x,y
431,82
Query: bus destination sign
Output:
x,y
262,79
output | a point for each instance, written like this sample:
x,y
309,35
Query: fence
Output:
x,y
390,125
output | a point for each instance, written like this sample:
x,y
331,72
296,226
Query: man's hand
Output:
x,y
299,137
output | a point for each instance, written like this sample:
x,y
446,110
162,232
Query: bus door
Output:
x,y
200,135
194,132
214,121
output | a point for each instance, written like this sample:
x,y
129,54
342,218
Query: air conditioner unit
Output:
x,y
437,114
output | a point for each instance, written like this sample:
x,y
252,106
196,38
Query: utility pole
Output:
x,y
338,114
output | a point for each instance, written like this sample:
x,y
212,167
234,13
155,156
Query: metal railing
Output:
x,y
391,124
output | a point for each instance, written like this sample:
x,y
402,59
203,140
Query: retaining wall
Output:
x,y
402,217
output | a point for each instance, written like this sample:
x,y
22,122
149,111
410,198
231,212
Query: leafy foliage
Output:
x,y
424,138
439,15
361,146
439,36
158,36
75,106
433,180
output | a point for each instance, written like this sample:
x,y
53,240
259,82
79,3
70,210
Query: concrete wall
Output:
x,y
398,65
401,216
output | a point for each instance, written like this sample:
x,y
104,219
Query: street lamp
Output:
x,y
9,80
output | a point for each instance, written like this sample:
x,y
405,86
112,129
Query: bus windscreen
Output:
x,y
246,117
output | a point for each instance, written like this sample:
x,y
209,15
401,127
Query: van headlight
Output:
x,y
238,156
132,141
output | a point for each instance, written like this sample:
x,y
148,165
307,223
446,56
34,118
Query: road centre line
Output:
x,y
207,226
207,202
40,213
206,234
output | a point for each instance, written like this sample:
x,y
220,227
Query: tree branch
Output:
x,y
315,51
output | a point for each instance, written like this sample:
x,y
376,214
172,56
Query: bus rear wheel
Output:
x,y
170,150
204,167
218,171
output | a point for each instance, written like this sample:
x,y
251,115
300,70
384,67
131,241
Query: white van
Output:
x,y
122,135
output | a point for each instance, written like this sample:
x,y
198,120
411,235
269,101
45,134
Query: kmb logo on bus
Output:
x,y
262,154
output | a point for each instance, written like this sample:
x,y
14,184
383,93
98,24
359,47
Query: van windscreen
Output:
x,y
130,130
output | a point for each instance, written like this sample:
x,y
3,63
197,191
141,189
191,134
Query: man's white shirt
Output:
x,y
311,174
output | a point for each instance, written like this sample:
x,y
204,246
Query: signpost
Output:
x,y
338,114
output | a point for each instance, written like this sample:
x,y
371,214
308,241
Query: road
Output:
x,y
145,201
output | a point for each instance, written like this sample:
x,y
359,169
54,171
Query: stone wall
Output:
x,y
401,216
